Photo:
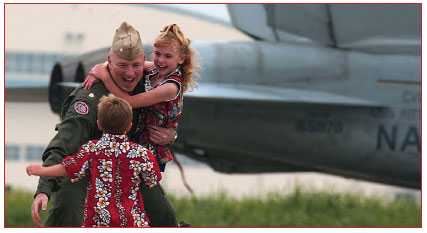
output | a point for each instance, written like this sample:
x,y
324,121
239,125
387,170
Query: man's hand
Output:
x,y
34,169
40,202
161,135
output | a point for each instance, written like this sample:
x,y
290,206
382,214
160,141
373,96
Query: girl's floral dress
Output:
x,y
165,114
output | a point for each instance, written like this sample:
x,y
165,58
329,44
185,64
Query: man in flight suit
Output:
x,y
78,125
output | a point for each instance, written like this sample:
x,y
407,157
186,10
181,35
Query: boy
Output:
x,y
114,166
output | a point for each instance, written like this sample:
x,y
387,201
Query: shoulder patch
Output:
x,y
81,108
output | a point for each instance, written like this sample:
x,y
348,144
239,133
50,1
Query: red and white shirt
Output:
x,y
114,167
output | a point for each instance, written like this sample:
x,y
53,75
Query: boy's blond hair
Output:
x,y
114,114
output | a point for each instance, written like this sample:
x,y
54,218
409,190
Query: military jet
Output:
x,y
332,88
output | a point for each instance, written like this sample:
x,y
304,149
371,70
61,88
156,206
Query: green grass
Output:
x,y
18,209
299,209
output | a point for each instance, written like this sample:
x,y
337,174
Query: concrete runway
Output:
x,y
204,181
33,124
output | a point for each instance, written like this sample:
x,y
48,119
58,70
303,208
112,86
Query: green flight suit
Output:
x,y
78,125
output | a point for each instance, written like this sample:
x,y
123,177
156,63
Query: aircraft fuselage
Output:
x,y
341,112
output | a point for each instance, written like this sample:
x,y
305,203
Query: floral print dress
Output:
x,y
114,167
165,114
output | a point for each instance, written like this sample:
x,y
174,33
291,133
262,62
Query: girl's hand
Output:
x,y
89,81
148,65
34,169
96,74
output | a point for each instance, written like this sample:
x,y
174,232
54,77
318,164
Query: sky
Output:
x,y
214,11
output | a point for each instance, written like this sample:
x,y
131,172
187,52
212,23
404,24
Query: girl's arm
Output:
x,y
99,71
162,93
159,94
38,170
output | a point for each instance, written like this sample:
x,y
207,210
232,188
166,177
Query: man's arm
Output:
x,y
73,131
77,126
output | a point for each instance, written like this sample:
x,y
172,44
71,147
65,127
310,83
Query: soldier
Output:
x,y
78,125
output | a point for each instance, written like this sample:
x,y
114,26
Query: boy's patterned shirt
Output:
x,y
114,167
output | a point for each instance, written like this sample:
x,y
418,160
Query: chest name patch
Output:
x,y
81,108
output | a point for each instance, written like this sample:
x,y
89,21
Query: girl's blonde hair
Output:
x,y
189,68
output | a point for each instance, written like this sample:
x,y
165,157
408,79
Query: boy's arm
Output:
x,y
151,174
38,170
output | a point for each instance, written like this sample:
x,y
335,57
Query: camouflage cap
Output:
x,y
127,42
